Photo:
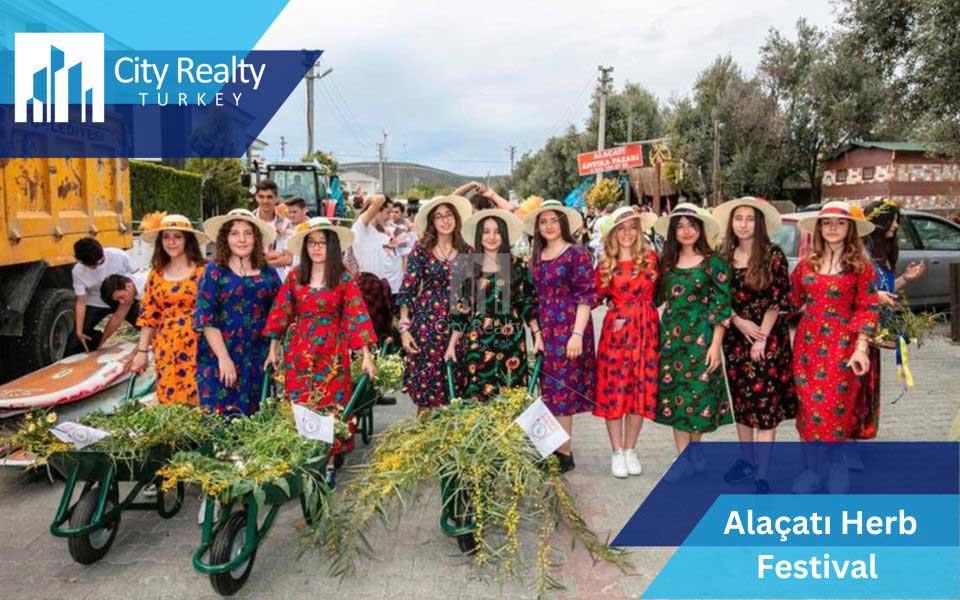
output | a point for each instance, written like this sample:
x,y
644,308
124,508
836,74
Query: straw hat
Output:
x,y
514,224
627,213
457,203
771,215
838,209
151,230
212,225
686,209
300,233
573,217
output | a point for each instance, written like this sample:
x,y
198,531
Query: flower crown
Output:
x,y
152,221
886,206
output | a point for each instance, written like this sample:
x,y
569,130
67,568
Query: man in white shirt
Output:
x,y
296,214
375,250
94,265
276,255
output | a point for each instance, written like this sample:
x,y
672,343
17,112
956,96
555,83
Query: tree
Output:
x,y
222,189
634,103
325,159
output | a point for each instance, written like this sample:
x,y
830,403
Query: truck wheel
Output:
x,y
47,326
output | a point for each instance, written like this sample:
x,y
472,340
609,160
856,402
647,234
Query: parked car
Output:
x,y
922,236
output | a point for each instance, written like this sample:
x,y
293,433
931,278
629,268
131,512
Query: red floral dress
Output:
x,y
325,326
628,357
835,310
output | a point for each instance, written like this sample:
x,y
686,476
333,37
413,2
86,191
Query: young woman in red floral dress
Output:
x,y
628,358
833,288
321,302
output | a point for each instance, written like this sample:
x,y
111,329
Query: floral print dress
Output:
x,y
167,307
491,313
628,357
835,309
426,294
563,283
763,392
697,299
324,325
237,306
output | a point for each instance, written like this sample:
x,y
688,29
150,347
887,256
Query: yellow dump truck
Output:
x,y
47,205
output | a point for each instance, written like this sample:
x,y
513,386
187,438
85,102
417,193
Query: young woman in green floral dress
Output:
x,y
495,297
695,296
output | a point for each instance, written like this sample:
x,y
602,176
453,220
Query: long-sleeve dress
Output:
x,y
563,283
867,406
763,392
491,312
835,309
238,307
426,294
324,325
628,356
167,307
698,299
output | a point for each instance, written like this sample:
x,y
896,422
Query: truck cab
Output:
x,y
306,180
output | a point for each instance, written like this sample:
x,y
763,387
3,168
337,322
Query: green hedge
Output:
x,y
155,187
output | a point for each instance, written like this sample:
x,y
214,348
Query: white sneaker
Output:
x,y
838,480
633,463
618,465
203,509
807,482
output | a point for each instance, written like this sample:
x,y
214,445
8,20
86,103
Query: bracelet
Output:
x,y
144,350
534,331
577,333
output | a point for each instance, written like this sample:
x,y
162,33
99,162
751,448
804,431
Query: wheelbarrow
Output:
x,y
232,539
457,517
90,525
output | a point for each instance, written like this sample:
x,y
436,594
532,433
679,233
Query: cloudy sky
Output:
x,y
455,83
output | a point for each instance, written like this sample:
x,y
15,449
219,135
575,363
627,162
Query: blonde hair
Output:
x,y
853,257
611,253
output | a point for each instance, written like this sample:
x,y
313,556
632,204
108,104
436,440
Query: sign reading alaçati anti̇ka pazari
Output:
x,y
611,159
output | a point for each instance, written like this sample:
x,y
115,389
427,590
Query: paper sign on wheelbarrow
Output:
x,y
312,425
542,428
80,436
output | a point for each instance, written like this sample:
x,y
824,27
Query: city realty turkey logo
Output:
x,y
53,71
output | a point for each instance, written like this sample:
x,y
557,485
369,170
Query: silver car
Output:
x,y
922,236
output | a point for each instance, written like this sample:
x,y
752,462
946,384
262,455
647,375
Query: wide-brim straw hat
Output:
x,y
573,216
627,213
685,209
771,216
152,232
838,209
212,225
458,203
300,233
514,224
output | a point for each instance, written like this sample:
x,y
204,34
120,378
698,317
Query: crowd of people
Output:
x,y
696,333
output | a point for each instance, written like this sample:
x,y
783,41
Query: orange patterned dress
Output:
x,y
167,307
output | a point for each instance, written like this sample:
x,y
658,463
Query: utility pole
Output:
x,y
396,170
513,154
602,90
626,188
311,77
717,126
382,146
283,147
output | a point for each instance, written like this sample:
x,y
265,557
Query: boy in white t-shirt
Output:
x,y
94,264
376,251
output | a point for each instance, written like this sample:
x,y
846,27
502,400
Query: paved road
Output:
x,y
151,558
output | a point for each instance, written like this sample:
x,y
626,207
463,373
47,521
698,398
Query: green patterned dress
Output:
x,y
697,299
491,313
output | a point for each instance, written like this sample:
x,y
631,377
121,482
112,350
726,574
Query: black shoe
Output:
x,y
331,478
761,486
386,400
566,461
739,472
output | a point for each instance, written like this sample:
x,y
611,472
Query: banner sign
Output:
x,y
611,159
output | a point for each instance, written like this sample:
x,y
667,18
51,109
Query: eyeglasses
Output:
x,y
444,217
315,244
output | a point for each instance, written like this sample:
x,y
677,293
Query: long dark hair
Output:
x,y
883,214
503,263
221,253
430,235
539,244
671,247
854,257
332,268
759,273
191,248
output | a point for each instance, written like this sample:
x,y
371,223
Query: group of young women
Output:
x,y
694,337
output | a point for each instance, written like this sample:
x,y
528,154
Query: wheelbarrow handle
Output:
x,y
358,389
265,387
535,373
450,387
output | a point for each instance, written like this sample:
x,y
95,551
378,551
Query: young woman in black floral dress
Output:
x,y
757,345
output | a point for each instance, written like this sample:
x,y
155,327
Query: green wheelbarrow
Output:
x,y
91,523
230,541
457,517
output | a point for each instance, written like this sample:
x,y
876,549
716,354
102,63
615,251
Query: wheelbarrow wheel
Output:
x,y
88,549
227,544
463,516
168,504
467,543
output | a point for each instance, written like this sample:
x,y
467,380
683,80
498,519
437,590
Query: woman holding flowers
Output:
x,y
628,357
425,298
495,297
168,304
321,307
233,300
695,290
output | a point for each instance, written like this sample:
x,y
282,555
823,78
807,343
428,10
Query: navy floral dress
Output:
x,y
237,306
